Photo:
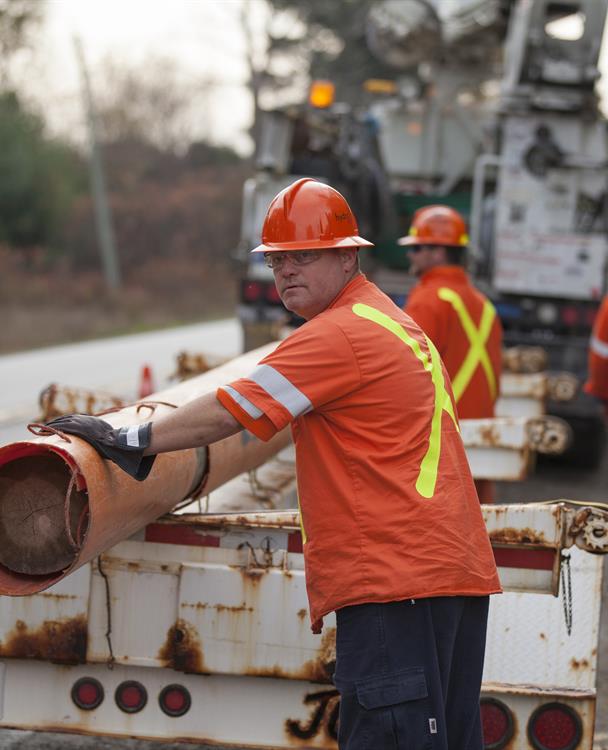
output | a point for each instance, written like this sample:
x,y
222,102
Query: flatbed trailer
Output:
x,y
196,629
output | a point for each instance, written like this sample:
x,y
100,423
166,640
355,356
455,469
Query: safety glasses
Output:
x,y
297,257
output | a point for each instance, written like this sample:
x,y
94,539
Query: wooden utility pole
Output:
x,y
103,217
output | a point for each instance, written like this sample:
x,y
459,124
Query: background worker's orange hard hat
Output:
x,y
437,225
309,215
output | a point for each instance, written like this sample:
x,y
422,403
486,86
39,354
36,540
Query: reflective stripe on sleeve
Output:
x,y
244,403
281,390
599,347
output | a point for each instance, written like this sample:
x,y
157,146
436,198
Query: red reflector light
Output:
x,y
555,726
174,700
252,291
496,723
272,293
131,696
87,693
570,315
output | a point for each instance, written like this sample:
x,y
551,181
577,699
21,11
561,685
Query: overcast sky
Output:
x,y
203,37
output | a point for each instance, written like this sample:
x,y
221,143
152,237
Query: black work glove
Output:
x,y
123,445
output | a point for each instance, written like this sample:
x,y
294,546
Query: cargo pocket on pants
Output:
x,y
394,712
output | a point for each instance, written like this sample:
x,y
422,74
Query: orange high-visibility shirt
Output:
x,y
439,319
388,506
597,383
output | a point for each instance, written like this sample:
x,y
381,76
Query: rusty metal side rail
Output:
x,y
271,519
526,394
503,448
527,524
555,524
528,539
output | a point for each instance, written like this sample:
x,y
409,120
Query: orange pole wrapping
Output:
x,y
94,502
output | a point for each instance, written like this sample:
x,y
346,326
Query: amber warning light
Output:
x,y
322,94
380,86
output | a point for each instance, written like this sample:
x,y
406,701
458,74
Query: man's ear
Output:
x,y
349,259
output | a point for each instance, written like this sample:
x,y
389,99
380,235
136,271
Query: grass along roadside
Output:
x,y
46,309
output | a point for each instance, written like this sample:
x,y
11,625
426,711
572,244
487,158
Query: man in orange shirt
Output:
x,y
394,540
459,319
597,382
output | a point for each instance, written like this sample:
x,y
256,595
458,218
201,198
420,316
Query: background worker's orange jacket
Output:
x,y
597,384
440,321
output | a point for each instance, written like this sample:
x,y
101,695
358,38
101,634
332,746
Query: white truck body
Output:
x,y
546,240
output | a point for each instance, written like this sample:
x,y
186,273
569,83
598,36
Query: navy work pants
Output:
x,y
409,674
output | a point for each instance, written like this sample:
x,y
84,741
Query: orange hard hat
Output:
x,y
309,215
437,225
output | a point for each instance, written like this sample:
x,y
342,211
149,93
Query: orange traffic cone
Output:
x,y
146,384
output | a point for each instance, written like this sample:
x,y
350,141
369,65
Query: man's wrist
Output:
x,y
134,437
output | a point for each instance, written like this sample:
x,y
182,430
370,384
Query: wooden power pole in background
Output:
x,y
103,217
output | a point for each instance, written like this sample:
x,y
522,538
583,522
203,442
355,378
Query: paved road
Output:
x,y
113,365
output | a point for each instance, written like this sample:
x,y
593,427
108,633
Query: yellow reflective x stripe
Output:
x,y
427,479
302,529
427,476
477,353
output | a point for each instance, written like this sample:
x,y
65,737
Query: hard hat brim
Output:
x,y
408,240
285,247
411,241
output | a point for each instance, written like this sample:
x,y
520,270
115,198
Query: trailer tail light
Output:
x,y
555,726
87,693
131,696
272,294
496,723
252,291
570,315
175,700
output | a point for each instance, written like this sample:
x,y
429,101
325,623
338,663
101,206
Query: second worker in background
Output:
x,y
457,317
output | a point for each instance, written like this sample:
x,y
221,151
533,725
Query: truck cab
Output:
x,y
494,113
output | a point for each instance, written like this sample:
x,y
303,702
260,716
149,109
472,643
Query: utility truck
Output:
x,y
493,110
